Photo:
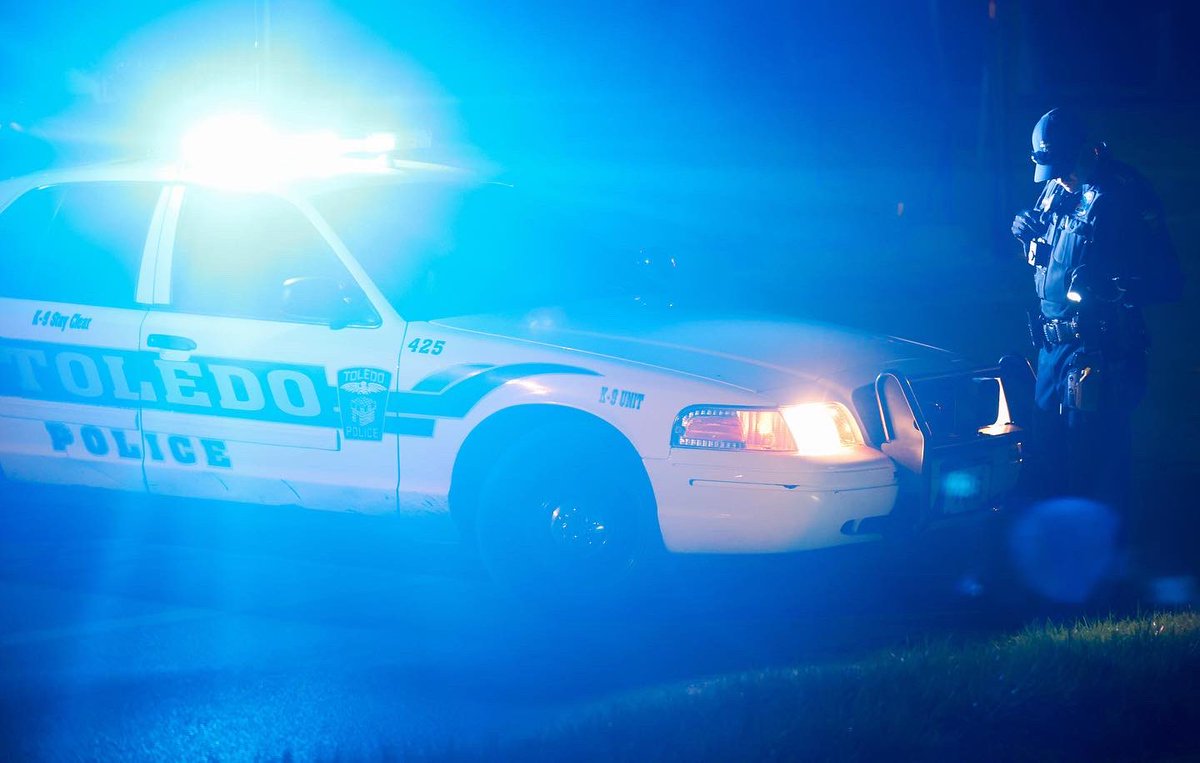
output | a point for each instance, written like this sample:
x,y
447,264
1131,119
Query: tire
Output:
x,y
558,522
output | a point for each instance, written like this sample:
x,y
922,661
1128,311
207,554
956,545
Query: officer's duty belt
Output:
x,y
1059,331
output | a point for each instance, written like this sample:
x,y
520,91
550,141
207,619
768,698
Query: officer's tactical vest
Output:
x,y
1068,236
1146,266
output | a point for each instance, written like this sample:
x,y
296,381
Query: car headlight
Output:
x,y
812,429
821,429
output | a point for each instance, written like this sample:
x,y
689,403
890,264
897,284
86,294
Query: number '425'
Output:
x,y
427,346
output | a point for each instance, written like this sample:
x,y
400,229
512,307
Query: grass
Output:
x,y
1114,689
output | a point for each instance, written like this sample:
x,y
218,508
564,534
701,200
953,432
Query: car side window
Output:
x,y
234,252
80,243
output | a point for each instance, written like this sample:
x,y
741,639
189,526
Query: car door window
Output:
x,y
80,243
234,251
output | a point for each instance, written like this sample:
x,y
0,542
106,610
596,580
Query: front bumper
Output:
x,y
769,503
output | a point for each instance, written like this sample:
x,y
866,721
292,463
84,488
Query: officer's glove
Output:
x,y
1026,227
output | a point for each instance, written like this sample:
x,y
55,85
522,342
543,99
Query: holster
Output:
x,y
1084,382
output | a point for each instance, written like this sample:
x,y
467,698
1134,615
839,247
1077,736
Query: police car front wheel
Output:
x,y
554,520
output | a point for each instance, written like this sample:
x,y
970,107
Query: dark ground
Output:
x,y
182,631
131,630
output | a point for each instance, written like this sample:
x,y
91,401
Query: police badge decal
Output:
x,y
362,397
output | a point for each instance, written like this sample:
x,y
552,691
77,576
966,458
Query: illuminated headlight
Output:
x,y
821,429
813,429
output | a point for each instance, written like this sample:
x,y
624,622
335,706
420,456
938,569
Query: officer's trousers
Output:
x,y
1086,454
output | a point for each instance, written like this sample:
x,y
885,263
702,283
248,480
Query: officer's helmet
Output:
x,y
1058,139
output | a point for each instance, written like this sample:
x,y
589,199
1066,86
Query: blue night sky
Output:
x,y
763,116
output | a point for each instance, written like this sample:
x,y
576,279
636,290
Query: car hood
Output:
x,y
756,354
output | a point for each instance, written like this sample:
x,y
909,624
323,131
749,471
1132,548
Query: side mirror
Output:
x,y
324,300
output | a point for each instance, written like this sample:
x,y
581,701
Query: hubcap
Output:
x,y
576,531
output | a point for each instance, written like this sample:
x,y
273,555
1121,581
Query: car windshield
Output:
x,y
444,249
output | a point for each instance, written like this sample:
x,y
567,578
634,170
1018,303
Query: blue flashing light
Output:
x,y
244,150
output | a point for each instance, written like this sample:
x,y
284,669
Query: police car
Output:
x,y
364,339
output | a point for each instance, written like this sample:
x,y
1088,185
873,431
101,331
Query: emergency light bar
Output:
x,y
243,150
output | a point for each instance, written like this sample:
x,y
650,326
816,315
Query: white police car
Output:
x,y
360,339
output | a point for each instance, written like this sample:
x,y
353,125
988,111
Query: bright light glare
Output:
x,y
379,143
821,429
231,139
242,150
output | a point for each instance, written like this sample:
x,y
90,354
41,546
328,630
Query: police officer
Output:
x,y
1100,251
